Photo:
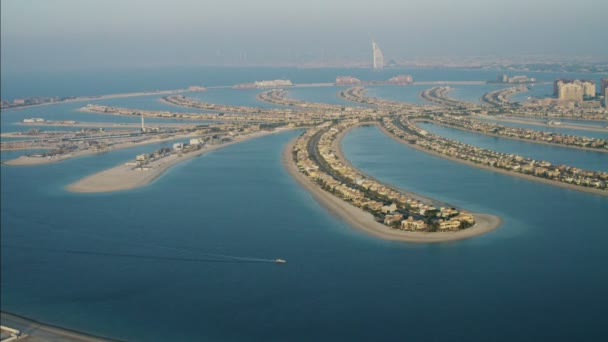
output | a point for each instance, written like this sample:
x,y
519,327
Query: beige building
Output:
x,y
449,225
411,224
569,92
574,90
588,88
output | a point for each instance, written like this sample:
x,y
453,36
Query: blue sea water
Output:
x,y
319,94
136,265
473,93
110,81
535,91
407,93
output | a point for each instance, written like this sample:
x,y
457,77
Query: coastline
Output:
x,y
494,169
515,138
103,97
365,222
31,161
41,332
567,125
123,177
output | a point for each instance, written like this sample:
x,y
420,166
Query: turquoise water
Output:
x,y
589,160
319,94
141,265
240,201
407,93
237,97
473,93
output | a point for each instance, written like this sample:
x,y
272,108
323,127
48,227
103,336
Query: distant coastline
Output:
x,y
101,97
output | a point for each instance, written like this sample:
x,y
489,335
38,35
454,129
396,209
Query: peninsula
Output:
x,y
315,160
149,166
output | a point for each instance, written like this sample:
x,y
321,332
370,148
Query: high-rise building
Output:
x,y
569,92
604,85
377,55
573,90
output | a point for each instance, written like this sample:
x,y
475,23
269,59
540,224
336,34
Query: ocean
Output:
x,y
145,264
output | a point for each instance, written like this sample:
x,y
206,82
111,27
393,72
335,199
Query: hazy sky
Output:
x,y
57,34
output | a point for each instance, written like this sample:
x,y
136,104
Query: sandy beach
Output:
x,y
40,332
494,169
123,177
365,222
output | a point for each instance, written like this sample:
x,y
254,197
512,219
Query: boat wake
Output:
x,y
208,258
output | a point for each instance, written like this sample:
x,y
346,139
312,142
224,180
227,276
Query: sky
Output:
x,y
73,34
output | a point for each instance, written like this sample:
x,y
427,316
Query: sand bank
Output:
x,y
365,222
40,332
495,169
123,177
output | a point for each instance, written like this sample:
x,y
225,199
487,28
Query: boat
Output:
x,y
280,261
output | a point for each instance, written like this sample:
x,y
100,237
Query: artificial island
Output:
x,y
315,158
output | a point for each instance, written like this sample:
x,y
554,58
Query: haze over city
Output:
x,y
73,34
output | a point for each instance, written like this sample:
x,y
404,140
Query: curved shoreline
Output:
x,y
365,222
532,122
43,332
604,150
494,169
123,177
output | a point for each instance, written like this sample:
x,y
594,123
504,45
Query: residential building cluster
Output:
x,y
439,95
31,101
491,128
504,78
401,80
405,129
347,80
273,83
279,97
317,157
502,97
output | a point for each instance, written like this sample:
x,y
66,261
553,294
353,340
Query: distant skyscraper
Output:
x,y
378,57
604,85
